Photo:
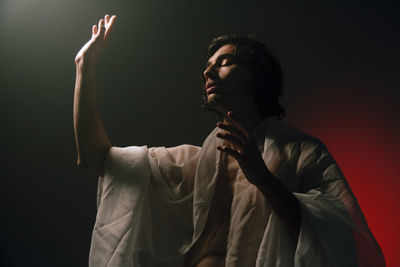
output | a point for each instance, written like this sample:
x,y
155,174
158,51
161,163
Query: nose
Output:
x,y
209,72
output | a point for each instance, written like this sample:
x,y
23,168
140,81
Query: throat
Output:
x,y
247,120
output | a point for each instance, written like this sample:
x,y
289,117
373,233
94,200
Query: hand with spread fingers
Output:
x,y
241,146
90,52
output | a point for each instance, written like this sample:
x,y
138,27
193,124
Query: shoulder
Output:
x,y
290,138
310,149
306,152
176,154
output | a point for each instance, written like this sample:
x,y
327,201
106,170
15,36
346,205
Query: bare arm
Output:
x,y
91,138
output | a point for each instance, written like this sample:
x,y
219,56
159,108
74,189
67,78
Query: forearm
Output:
x,y
281,200
91,138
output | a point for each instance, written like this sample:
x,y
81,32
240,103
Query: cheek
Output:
x,y
235,77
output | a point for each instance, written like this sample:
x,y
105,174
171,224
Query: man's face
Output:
x,y
226,85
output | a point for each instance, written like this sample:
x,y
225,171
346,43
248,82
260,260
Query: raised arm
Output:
x,y
91,138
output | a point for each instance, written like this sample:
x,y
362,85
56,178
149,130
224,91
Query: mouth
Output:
x,y
211,90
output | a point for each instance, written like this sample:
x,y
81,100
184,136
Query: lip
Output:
x,y
210,83
211,89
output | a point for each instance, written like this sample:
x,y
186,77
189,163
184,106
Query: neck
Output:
x,y
249,118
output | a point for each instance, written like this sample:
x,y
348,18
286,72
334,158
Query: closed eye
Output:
x,y
223,60
226,62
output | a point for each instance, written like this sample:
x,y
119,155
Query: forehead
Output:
x,y
223,50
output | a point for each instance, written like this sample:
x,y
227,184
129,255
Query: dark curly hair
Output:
x,y
265,70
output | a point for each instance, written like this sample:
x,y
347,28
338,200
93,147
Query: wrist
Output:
x,y
85,61
259,177
85,65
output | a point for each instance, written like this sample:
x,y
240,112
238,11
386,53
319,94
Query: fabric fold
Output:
x,y
153,205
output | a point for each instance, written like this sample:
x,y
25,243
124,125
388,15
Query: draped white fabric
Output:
x,y
153,204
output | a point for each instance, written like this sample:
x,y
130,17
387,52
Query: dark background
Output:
x,y
341,63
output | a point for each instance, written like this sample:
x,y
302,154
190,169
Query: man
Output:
x,y
257,193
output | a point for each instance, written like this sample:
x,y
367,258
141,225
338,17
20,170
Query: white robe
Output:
x,y
153,205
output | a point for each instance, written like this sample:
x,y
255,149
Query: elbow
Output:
x,y
93,160
96,168
80,163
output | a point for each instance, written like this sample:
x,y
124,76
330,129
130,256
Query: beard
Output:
x,y
217,103
213,103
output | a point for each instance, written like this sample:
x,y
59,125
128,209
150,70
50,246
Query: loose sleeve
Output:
x,y
140,214
333,231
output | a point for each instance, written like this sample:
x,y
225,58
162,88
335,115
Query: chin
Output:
x,y
216,103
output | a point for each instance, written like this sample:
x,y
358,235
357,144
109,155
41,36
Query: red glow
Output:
x,y
364,142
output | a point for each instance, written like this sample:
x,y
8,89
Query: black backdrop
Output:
x,y
335,55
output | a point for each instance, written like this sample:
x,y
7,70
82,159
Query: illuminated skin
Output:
x,y
227,83
101,33
91,138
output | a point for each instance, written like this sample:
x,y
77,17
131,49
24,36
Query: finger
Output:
x,y
232,139
233,130
236,155
110,26
107,18
234,119
101,28
94,30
